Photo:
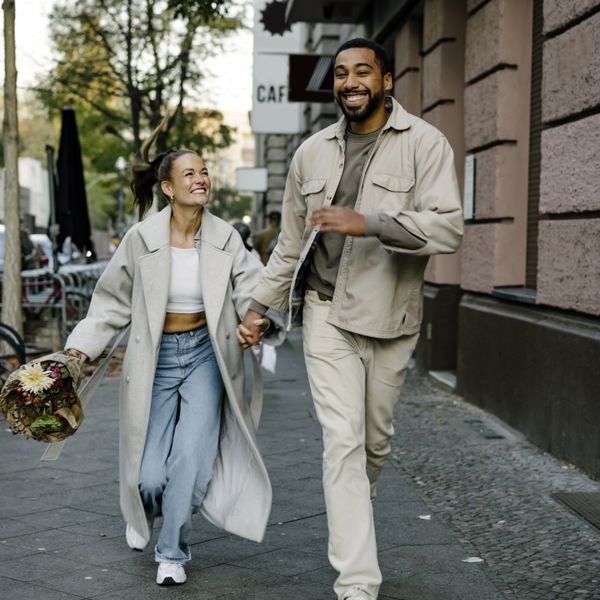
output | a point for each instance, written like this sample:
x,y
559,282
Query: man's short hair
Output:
x,y
381,55
274,216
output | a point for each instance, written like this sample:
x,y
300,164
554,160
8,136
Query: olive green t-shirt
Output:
x,y
326,258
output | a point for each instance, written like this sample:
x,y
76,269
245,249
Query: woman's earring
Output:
x,y
172,199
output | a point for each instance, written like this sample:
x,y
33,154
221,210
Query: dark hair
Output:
x,y
242,229
381,55
274,216
147,173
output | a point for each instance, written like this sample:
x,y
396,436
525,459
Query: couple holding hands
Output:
x,y
367,201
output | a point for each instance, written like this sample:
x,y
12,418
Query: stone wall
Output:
x,y
569,233
442,81
497,96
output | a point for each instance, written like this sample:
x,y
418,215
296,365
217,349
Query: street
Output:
x,y
464,511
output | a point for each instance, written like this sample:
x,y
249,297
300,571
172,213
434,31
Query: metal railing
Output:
x,y
64,296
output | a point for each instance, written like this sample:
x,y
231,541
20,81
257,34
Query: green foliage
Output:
x,y
229,204
121,65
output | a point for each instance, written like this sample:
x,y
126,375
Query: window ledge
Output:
x,y
521,294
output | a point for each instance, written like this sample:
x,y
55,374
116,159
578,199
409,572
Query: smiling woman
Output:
x,y
181,279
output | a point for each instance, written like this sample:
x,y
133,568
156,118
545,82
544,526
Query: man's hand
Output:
x,y
339,219
251,329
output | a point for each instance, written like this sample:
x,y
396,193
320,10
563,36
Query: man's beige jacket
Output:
x,y
410,174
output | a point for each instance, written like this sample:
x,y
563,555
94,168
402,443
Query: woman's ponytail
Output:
x,y
145,172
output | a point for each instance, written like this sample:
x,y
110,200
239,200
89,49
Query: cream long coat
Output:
x,y
133,289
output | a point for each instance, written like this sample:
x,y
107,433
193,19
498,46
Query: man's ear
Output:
x,y
388,82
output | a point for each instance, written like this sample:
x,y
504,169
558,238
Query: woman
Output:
x,y
181,279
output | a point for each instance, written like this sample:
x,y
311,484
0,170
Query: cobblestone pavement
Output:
x,y
496,494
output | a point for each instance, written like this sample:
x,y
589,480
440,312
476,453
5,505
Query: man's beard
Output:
x,y
359,114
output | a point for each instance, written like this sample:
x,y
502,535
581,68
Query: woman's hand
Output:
x,y
82,357
251,329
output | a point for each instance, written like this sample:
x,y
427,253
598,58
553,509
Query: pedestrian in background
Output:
x,y
367,201
265,241
181,278
245,233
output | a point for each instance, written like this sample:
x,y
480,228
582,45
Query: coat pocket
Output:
x,y
391,193
313,191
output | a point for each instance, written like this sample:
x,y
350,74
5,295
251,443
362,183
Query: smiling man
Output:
x,y
367,201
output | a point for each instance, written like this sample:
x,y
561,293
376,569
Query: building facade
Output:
x,y
514,316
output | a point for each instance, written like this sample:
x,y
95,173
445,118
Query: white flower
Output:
x,y
33,379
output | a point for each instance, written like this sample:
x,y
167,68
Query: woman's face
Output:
x,y
189,184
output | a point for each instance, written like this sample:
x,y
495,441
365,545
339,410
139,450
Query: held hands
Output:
x,y
251,329
338,219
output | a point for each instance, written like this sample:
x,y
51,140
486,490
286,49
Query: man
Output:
x,y
264,241
367,201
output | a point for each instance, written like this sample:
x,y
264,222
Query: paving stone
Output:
x,y
283,561
88,581
15,590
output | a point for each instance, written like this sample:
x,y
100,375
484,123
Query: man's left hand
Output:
x,y
338,219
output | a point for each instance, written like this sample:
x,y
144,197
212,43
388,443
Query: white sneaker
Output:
x,y
134,540
357,593
170,574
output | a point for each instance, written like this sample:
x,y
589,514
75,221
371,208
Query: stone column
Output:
x,y
497,98
569,231
407,75
443,52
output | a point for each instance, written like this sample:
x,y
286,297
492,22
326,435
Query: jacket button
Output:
x,y
137,339
233,377
127,379
227,335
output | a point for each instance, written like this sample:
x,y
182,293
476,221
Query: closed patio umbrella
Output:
x,y
71,200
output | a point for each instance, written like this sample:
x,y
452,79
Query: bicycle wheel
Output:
x,y
76,307
12,351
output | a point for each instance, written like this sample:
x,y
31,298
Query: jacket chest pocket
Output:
x,y
313,191
391,193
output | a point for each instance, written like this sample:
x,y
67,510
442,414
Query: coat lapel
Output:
x,y
215,266
155,270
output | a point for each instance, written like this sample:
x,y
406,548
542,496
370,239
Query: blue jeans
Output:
x,y
182,439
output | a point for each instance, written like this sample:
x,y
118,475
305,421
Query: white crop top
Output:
x,y
185,288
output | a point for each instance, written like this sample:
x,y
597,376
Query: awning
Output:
x,y
325,11
310,78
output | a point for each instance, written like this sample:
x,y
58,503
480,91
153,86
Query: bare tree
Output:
x,y
128,60
11,279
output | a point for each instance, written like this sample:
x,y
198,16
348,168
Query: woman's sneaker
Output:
x,y
170,574
134,540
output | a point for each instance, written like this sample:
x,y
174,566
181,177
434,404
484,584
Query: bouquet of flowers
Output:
x,y
39,399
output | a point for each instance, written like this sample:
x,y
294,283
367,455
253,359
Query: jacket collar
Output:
x,y
398,119
156,233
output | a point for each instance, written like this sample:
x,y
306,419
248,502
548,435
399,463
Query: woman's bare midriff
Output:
x,y
182,322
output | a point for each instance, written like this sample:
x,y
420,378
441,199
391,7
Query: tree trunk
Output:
x,y
132,91
11,279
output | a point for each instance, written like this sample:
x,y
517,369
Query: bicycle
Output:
x,y
12,353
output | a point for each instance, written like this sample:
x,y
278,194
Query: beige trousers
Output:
x,y
355,383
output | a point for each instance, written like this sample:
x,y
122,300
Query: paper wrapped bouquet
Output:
x,y
39,399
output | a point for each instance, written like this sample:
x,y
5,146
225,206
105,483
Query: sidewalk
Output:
x,y
463,513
